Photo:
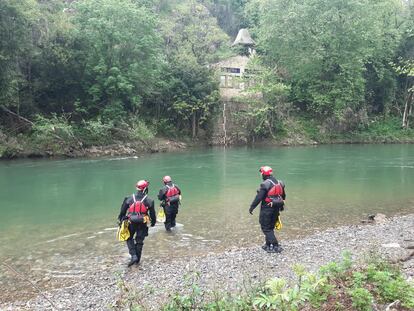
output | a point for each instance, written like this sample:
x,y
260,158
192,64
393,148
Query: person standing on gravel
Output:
x,y
139,210
271,195
170,196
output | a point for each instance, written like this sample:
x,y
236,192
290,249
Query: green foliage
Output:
x,y
129,298
95,132
138,130
335,269
335,287
120,49
384,130
278,296
105,62
109,61
53,133
16,22
192,97
230,14
192,31
389,284
9,147
190,301
326,46
361,299
267,106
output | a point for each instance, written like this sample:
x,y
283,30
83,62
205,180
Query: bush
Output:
x,y
53,134
361,299
9,151
389,284
385,130
95,132
278,296
139,130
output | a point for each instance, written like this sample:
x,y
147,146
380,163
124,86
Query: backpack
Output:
x,y
137,211
274,196
172,194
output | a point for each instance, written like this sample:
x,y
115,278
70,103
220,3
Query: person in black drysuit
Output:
x,y
138,228
269,212
169,196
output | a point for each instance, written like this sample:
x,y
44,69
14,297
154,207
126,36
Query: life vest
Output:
x,y
137,210
172,194
274,195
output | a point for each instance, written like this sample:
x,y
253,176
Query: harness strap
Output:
x,y
272,182
140,201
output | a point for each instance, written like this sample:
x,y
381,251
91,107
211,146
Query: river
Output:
x,y
55,210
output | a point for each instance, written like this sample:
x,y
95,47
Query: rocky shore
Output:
x,y
16,150
235,270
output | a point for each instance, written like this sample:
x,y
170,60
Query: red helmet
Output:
x,y
166,179
142,184
266,170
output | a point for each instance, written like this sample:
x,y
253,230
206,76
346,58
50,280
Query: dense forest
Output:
x,y
93,72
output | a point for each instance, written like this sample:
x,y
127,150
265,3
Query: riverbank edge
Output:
x,y
235,270
164,145
116,149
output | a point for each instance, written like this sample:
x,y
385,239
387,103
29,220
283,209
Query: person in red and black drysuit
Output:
x,y
138,208
271,195
170,196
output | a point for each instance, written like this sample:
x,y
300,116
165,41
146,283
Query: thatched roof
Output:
x,y
233,62
243,37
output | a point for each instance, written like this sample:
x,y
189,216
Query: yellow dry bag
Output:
x,y
278,225
123,232
161,215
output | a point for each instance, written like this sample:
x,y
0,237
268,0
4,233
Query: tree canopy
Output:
x,y
145,65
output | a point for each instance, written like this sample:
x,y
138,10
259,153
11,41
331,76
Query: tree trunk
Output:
x,y
410,109
407,111
18,88
194,124
16,115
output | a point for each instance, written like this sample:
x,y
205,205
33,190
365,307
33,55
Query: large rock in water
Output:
x,y
378,218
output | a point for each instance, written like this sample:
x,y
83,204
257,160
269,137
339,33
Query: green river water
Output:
x,y
54,209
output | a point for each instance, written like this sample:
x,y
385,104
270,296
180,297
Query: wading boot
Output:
x,y
134,260
268,248
277,249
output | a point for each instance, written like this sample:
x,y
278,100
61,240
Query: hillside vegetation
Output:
x,y
76,74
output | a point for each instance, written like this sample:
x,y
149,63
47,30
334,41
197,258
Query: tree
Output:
x,y
187,96
404,67
190,29
16,22
120,51
229,13
326,45
195,92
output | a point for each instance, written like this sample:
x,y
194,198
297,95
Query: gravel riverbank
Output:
x,y
235,270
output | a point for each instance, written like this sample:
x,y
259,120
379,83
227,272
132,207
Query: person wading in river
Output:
x,y
170,196
271,195
139,210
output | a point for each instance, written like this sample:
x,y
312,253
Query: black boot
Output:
x,y
139,252
134,260
277,249
268,248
